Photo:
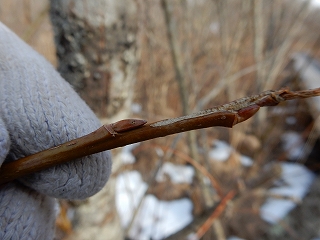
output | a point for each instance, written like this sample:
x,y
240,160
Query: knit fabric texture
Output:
x,y
26,214
40,110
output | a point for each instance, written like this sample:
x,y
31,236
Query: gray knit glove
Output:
x,y
40,110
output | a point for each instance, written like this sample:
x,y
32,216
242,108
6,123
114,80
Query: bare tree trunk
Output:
x,y
98,55
97,50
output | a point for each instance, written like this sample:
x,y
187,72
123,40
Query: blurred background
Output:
x,y
157,59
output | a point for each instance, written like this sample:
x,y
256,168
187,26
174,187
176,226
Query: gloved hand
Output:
x,y
40,110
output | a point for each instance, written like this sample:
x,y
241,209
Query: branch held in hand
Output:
x,y
129,131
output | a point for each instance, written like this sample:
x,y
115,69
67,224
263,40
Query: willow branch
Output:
x,y
131,131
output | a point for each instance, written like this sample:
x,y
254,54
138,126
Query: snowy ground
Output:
x,y
298,180
157,219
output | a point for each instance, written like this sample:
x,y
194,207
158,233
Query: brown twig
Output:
x,y
226,115
216,213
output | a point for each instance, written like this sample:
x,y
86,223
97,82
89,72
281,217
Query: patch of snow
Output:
x,y
126,154
308,67
315,3
293,144
159,219
136,108
221,151
129,190
246,161
159,152
214,27
291,120
177,173
309,70
298,180
156,219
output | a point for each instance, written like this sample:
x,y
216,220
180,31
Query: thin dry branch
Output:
x,y
259,35
231,79
180,75
216,213
102,139
283,49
